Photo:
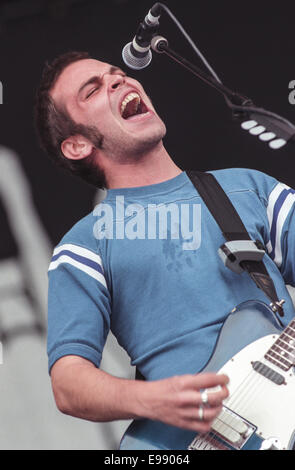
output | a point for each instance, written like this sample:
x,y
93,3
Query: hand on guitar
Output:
x,y
177,400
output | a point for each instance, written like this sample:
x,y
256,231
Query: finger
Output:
x,y
198,381
208,414
209,379
201,413
192,419
213,398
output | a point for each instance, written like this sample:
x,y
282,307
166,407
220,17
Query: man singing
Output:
x,y
164,299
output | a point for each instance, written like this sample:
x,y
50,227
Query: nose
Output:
x,y
114,80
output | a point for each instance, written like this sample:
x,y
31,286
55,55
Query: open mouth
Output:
x,y
132,105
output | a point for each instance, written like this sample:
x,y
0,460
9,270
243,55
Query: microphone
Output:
x,y
137,54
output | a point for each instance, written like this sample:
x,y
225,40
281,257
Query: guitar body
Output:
x,y
260,410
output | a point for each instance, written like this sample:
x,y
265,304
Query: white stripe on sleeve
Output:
x,y
81,258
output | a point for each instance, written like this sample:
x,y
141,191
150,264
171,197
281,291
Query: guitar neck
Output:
x,y
282,352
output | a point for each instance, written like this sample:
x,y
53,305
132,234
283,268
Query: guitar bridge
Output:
x,y
229,430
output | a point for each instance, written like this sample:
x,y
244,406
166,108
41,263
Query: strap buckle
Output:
x,y
232,253
277,306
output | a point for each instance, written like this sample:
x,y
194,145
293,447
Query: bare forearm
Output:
x,y
83,391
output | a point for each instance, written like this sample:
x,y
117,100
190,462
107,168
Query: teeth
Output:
x,y
129,98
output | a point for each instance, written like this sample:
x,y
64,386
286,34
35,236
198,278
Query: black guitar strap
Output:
x,y
240,252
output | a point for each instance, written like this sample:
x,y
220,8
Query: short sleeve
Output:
x,y
281,246
78,304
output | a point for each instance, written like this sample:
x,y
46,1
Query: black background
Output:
x,y
249,44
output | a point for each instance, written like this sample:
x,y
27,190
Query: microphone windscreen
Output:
x,y
133,62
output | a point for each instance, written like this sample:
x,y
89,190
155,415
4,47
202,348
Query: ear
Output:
x,y
76,147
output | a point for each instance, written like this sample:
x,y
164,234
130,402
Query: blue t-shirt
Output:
x,y
145,264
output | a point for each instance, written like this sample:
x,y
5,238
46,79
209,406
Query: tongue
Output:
x,y
131,109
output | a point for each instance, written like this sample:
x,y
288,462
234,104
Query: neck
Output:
x,y
156,166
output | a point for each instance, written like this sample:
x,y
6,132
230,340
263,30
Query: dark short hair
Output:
x,y
54,124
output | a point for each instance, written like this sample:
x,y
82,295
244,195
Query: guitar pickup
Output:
x,y
232,428
268,372
229,431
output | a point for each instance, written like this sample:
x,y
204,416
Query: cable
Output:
x,y
240,108
190,41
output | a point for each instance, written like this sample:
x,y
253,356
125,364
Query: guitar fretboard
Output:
x,y
282,352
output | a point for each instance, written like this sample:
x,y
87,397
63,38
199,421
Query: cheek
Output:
x,y
100,118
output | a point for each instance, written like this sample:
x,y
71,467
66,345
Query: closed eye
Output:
x,y
91,92
89,87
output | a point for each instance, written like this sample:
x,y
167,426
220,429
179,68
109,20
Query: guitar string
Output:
x,y
256,383
257,378
236,407
241,407
252,376
211,435
272,370
260,383
237,399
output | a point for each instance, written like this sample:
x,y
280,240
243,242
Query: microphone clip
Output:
x,y
145,32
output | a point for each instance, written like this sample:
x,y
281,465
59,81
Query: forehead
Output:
x,y
74,75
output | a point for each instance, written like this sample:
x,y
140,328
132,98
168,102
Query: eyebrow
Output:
x,y
96,78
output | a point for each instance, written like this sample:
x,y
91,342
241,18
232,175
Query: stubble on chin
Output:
x,y
134,149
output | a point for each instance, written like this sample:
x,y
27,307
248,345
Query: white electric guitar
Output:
x,y
259,357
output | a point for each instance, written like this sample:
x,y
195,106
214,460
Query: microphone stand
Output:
x,y
241,106
161,46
